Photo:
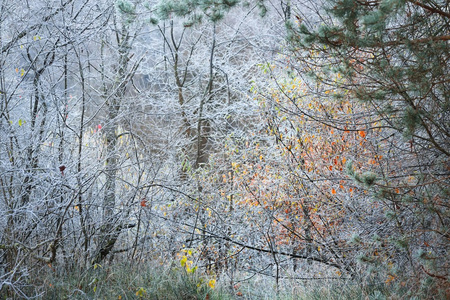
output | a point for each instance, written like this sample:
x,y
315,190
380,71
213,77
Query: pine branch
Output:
x,y
431,9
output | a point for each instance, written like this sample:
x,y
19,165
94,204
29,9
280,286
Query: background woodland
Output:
x,y
271,147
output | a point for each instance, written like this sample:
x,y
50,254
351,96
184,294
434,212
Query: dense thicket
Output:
x,y
392,56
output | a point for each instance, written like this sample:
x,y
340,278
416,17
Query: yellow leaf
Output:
x,y
212,283
189,264
141,292
183,261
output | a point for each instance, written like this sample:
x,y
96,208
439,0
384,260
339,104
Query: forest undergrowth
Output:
x,y
151,280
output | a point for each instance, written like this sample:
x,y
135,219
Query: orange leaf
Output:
x,y
331,168
333,191
390,278
143,203
362,133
